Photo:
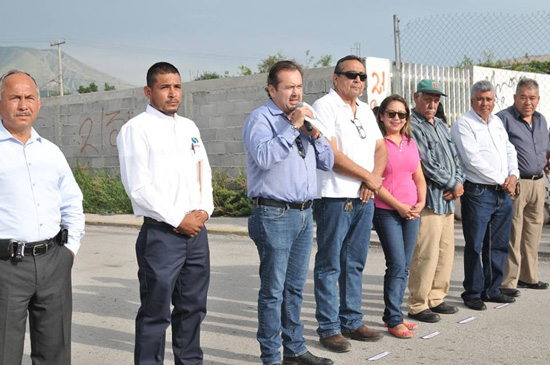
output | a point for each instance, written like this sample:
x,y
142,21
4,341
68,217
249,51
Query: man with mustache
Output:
x,y
282,156
491,168
527,131
345,211
41,225
166,174
432,262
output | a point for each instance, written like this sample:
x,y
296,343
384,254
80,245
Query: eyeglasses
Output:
x,y
392,114
352,75
357,123
301,150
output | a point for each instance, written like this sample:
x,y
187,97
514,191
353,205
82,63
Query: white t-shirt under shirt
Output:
x,y
338,118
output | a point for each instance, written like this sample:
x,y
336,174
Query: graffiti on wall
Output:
x,y
107,125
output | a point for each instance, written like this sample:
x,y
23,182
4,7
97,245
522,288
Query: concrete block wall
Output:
x,y
85,126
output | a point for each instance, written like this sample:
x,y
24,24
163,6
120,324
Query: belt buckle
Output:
x,y
303,205
34,253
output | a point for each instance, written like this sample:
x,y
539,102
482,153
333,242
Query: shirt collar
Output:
x,y
517,115
477,118
5,135
421,118
273,108
151,110
339,99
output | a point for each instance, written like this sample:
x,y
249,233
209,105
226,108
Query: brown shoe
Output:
x,y
336,343
363,333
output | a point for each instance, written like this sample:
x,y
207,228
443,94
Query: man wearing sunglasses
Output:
x,y
432,262
281,158
345,211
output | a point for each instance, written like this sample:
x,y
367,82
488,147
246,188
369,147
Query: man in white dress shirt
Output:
x,y
40,211
166,174
490,164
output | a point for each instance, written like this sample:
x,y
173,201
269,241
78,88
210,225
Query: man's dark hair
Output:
x,y
528,83
273,75
160,68
340,63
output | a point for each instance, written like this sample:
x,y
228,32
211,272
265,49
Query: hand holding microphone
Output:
x,y
307,120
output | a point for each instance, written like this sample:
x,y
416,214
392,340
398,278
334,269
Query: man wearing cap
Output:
x,y
491,168
431,266
527,131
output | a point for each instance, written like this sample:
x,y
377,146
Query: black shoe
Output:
x,y
445,308
501,298
539,285
306,359
425,316
475,304
510,292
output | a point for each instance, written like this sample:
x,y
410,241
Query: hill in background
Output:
x,y
43,66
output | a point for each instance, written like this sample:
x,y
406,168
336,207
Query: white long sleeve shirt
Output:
x,y
160,157
38,192
486,154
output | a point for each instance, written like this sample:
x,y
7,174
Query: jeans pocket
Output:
x,y
473,190
272,213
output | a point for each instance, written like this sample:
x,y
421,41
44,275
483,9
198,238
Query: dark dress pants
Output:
x,y
40,286
172,268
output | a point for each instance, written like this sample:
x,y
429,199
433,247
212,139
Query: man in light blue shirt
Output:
x,y
282,156
41,210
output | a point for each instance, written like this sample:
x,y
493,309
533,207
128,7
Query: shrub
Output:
x,y
230,195
103,193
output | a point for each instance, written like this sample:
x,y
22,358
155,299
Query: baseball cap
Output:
x,y
429,86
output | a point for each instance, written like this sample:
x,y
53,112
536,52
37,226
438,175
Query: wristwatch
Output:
x,y
294,127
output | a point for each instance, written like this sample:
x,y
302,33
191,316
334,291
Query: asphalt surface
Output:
x,y
106,299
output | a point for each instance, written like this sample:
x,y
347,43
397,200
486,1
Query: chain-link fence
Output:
x,y
454,40
446,47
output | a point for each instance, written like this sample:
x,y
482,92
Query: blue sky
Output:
x,y
123,38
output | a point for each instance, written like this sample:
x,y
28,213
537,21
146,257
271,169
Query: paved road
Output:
x,y
106,301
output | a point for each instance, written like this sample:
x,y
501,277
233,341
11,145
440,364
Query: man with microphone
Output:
x,y
282,157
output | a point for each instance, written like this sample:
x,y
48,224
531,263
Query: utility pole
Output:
x,y
398,63
356,49
60,82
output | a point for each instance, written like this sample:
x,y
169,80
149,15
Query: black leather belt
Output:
x,y
485,186
531,177
280,204
39,247
154,222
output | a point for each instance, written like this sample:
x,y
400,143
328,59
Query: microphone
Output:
x,y
307,121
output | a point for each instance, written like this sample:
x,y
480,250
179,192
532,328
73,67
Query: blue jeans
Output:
x,y
398,238
486,222
343,239
284,238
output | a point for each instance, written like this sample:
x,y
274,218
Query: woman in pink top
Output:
x,y
398,206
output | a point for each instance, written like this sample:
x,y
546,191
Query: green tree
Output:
x,y
92,88
209,75
244,70
108,87
324,61
266,63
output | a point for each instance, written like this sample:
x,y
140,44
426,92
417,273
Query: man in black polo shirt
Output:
x,y
527,131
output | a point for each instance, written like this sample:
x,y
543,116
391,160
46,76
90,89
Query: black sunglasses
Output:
x,y
352,75
392,114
